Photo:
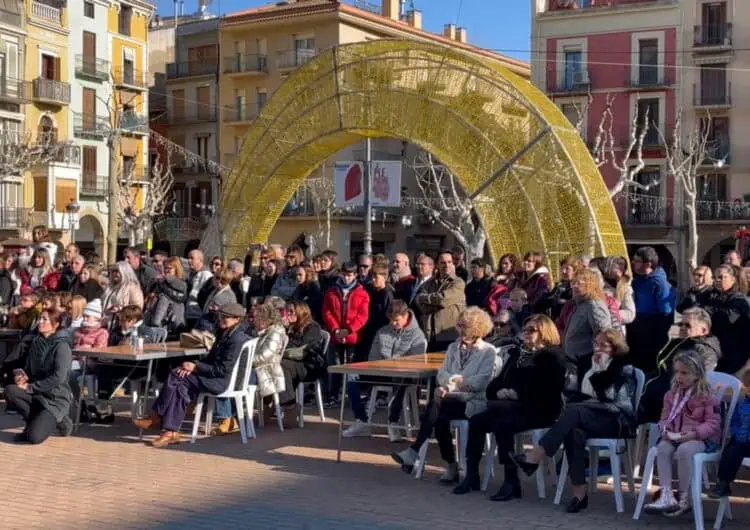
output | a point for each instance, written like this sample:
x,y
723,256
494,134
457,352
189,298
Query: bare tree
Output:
x,y
138,220
685,155
452,209
19,153
323,194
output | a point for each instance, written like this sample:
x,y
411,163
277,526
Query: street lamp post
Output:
x,y
72,208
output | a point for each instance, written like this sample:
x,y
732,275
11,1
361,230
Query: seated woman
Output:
x,y
304,358
267,363
602,408
527,394
167,309
41,392
124,290
39,274
462,381
210,374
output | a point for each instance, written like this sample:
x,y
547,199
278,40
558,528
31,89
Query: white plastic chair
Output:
x,y
719,382
410,403
614,447
548,466
462,436
724,506
318,389
243,398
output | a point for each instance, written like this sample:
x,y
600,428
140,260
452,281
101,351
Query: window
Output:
x,y
262,99
647,207
128,165
304,50
574,75
178,105
714,85
89,167
126,14
128,72
714,30
202,142
648,62
239,108
88,9
50,67
571,112
712,188
648,115
717,144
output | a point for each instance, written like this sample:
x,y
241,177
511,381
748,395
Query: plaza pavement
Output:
x,y
104,477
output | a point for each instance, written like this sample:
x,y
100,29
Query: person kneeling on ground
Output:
x,y
400,338
210,374
462,381
41,392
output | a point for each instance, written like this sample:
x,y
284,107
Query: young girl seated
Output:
x,y
91,334
738,447
689,424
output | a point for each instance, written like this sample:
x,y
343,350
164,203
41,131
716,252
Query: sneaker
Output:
x,y
358,429
407,458
721,489
332,403
65,427
666,503
683,507
394,433
450,474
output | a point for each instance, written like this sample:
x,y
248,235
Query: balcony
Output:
x,y
67,154
14,91
723,211
94,186
12,217
573,83
90,126
191,68
712,38
291,59
649,79
10,18
139,176
132,122
240,114
245,64
193,115
46,13
92,68
714,95
51,92
126,77
644,210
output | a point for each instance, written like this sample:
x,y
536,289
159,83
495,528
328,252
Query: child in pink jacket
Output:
x,y
91,334
689,424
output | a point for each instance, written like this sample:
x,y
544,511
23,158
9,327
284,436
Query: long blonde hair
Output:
x,y
693,361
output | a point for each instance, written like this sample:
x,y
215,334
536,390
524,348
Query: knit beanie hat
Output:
x,y
93,308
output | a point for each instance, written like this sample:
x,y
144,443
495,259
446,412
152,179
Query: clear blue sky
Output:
x,y
496,24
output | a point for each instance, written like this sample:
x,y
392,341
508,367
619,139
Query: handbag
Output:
x,y
295,354
197,339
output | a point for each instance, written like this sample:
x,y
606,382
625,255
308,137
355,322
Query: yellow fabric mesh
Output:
x,y
471,113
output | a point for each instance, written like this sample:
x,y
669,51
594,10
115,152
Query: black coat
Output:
x,y
311,294
6,288
327,279
696,297
48,367
552,303
215,370
730,323
311,339
380,304
67,278
538,380
89,290
476,292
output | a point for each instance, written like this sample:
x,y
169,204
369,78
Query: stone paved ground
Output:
x,y
105,478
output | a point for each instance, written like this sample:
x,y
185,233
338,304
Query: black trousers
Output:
x,y
505,419
294,373
652,400
731,459
578,423
40,422
339,354
438,417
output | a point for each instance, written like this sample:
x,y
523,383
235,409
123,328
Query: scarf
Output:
x,y
345,287
596,368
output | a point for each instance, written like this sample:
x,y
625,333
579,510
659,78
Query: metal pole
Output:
x,y
72,231
368,204
114,201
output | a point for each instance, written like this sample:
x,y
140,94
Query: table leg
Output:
x,y
77,423
149,371
341,415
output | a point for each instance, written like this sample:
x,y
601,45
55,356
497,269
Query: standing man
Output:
x,y
459,258
197,278
733,258
68,276
401,277
441,303
258,279
363,271
654,309
146,275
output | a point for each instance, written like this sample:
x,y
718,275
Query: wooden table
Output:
x,y
149,354
415,368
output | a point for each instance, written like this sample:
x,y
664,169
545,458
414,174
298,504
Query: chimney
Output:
x,y
414,19
449,31
461,35
392,9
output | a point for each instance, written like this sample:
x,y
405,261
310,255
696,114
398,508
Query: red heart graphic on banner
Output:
x,y
353,182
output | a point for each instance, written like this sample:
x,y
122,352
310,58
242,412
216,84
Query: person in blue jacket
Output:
x,y
654,309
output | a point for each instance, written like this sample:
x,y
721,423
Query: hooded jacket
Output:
x,y
168,308
49,281
127,292
391,343
653,294
91,337
48,367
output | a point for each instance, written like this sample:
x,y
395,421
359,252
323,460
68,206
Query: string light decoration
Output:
x,y
497,133
177,152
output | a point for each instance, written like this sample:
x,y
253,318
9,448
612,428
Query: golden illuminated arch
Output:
x,y
498,134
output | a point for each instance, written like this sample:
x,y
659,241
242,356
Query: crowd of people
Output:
x,y
571,347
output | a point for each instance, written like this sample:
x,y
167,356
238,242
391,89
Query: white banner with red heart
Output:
x,y
385,184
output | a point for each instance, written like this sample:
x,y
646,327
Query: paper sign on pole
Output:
x,y
385,183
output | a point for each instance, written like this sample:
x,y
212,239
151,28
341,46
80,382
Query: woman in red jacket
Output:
x,y
346,308
38,274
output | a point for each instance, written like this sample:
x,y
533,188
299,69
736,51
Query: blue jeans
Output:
x,y
222,408
358,408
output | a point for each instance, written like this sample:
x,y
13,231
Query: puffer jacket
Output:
x,y
740,423
48,367
168,309
439,307
392,343
267,362
351,315
90,338
700,415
